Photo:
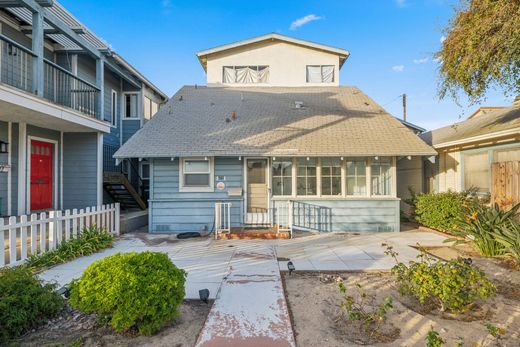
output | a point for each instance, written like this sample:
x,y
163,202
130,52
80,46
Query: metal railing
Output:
x,y
281,216
222,218
60,86
311,217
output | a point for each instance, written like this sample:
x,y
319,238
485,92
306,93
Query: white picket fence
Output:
x,y
39,233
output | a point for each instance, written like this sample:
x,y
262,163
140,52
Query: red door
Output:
x,y
41,175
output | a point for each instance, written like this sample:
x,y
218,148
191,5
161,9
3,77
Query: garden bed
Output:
x,y
314,300
79,329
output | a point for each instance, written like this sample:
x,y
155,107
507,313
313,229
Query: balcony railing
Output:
x,y
60,85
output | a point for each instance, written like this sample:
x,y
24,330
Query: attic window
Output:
x,y
245,74
320,73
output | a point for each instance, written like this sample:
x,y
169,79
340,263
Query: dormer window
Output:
x,y
320,73
245,74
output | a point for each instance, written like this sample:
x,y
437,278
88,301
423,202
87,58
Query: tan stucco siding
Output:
x,y
450,171
287,63
409,175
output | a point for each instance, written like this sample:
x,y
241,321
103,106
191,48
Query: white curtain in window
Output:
x,y
327,72
314,74
229,74
263,74
246,75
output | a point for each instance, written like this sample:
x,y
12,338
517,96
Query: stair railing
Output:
x,y
311,217
222,218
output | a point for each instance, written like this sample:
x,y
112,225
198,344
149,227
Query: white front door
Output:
x,y
257,191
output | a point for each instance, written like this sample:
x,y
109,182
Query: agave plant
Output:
x,y
509,237
480,225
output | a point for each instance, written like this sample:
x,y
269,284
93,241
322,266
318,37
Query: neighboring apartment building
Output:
x,y
274,140
469,150
67,103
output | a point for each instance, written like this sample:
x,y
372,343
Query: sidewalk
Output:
x,y
250,309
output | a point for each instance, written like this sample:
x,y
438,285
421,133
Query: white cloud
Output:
x,y
304,20
400,3
437,60
443,38
398,68
420,61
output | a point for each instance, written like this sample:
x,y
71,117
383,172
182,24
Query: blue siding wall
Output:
x,y
112,83
130,127
174,211
3,175
79,170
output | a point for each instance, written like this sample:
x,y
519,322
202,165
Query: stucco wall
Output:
x,y
449,177
409,175
287,63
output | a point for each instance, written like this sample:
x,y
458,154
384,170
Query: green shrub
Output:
x,y
450,285
440,211
131,291
508,236
89,241
25,302
434,339
482,225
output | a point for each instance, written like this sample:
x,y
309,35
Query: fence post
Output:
x,y
81,221
34,234
52,230
67,225
43,232
23,237
117,218
87,217
74,223
59,228
103,211
12,240
99,210
2,235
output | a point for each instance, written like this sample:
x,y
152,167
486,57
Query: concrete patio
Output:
x,y
208,261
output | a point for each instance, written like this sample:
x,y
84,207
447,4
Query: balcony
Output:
x,y
60,86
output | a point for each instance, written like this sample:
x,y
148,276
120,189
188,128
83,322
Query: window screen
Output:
x,y
356,177
306,178
196,173
477,171
282,177
330,176
381,177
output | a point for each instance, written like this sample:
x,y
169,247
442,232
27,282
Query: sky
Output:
x,y
392,42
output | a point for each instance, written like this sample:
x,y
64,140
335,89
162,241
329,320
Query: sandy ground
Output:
x,y
181,332
313,302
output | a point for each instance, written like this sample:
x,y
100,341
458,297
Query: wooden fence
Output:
x,y
505,178
39,233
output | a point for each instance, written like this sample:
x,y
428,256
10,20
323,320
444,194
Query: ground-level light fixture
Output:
x,y
64,291
4,147
204,295
290,267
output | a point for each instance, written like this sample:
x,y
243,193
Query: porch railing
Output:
x,y
311,217
40,233
222,218
60,86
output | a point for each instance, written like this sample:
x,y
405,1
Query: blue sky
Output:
x,y
391,42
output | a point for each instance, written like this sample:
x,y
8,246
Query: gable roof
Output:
x,y
493,124
333,121
342,53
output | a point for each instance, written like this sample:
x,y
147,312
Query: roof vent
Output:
x,y
298,104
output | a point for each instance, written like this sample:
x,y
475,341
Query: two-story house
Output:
x,y
273,140
67,103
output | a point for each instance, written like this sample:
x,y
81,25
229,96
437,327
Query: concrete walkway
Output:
x,y
250,309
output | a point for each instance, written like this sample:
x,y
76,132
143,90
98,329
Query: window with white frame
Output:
x,y
131,105
150,108
381,176
320,73
113,107
245,74
306,180
356,177
282,176
330,176
196,173
477,172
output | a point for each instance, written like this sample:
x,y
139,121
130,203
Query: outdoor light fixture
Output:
x,y
172,158
409,157
64,291
290,267
274,158
3,147
204,295
205,158
239,158
308,158
342,158
376,157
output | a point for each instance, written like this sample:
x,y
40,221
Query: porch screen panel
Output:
x,y
356,177
381,177
477,172
282,177
330,176
306,178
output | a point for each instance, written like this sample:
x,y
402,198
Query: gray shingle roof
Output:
x,y
334,121
485,124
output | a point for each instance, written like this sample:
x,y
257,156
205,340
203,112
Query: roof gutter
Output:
x,y
503,133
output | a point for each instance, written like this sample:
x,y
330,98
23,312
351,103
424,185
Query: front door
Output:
x,y
257,192
41,175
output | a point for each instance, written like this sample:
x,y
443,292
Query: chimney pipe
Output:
x,y
404,107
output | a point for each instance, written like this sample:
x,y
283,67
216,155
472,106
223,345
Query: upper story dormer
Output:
x,y
273,60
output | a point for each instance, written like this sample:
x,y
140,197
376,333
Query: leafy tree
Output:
x,y
481,49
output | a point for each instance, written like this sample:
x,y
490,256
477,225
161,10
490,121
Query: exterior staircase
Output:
x,y
122,191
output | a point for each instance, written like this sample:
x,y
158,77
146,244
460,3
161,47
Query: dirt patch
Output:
x,y
313,301
74,327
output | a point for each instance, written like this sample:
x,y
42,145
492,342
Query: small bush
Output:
x,y
434,339
89,241
25,302
363,308
482,225
450,285
131,291
508,236
440,211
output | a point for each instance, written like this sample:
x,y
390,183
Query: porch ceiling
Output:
x,y
16,106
